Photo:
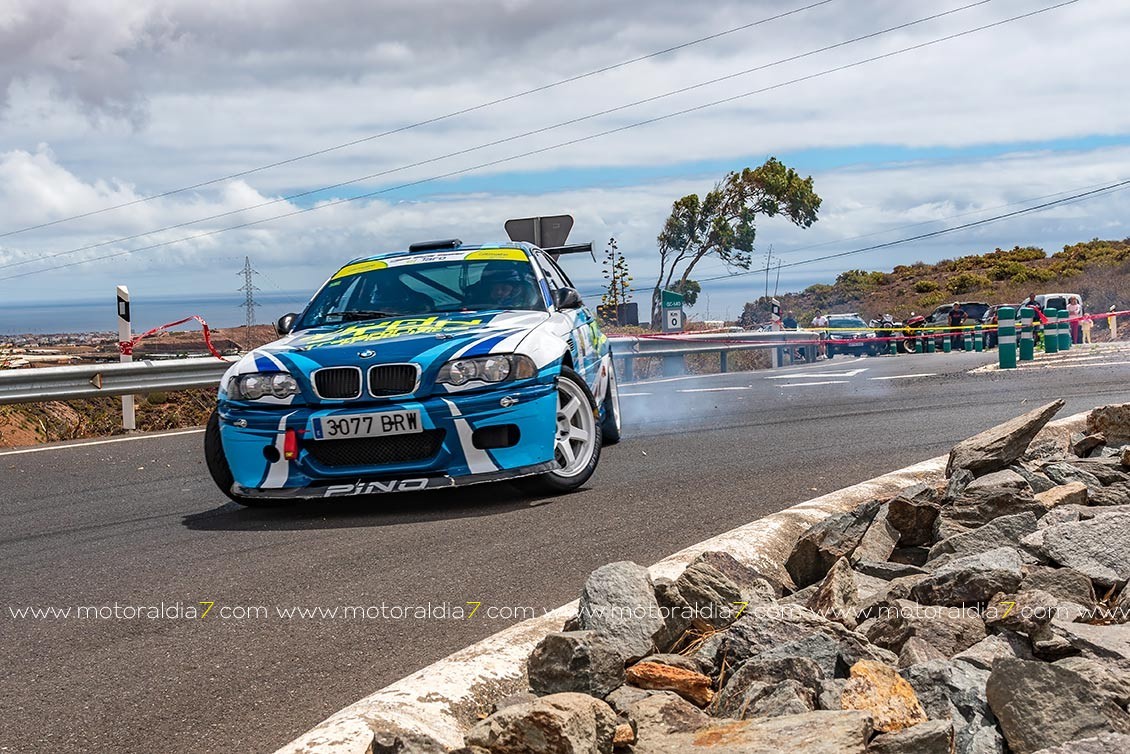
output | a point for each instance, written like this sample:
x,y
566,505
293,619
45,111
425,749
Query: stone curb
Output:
x,y
444,699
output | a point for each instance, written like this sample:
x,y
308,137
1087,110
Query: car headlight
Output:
x,y
494,368
252,387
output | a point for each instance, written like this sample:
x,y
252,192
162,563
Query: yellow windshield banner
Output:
x,y
359,267
513,255
361,333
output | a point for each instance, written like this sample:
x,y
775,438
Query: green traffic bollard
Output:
x,y
1006,337
894,348
967,341
978,340
1064,330
931,345
947,343
1027,339
919,346
1051,331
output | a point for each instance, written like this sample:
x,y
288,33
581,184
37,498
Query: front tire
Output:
x,y
218,467
610,425
577,441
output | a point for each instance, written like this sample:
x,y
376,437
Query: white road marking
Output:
x,y
632,395
905,376
848,373
813,384
710,389
89,443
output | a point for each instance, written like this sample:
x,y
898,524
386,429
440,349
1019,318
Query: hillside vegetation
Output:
x,y
1097,270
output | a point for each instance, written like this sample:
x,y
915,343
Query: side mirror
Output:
x,y
285,323
567,298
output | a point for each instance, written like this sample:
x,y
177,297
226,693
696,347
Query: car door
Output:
x,y
577,325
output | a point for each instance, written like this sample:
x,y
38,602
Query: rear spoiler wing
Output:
x,y
575,248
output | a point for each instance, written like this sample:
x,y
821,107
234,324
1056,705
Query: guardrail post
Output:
x,y
1027,341
1006,337
1051,331
629,368
125,347
674,365
1064,330
1112,323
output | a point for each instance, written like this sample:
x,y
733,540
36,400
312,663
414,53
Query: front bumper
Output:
x,y
254,443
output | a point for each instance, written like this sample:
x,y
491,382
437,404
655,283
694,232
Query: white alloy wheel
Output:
x,y
575,442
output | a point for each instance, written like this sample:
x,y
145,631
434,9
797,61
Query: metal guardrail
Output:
x,y
674,348
93,380
151,376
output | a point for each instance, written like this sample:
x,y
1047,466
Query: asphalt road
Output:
x,y
138,523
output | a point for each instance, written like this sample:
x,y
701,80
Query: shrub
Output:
x,y
925,286
967,282
931,300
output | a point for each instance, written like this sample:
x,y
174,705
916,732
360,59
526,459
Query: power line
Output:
x,y
426,122
552,147
498,142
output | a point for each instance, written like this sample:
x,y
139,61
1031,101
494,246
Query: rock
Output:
x,y
623,735
994,646
1104,744
886,570
959,480
837,597
1072,493
913,556
1112,421
1082,444
913,519
1103,641
896,589
789,631
977,507
1038,704
1066,473
714,597
956,690
1064,584
820,732
676,661
760,673
1063,514
930,737
996,448
829,692
522,697
665,713
801,596
1110,677
756,586
618,602
401,742
880,539
1124,457
1115,494
915,651
1024,612
948,630
691,685
556,724
1106,470
1038,482
1006,530
622,699
821,546
1005,478
974,578
879,689
580,661
676,614
787,697
1098,548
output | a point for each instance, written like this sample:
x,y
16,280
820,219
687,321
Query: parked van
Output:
x,y
1057,301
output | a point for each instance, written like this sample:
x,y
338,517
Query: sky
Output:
x,y
108,103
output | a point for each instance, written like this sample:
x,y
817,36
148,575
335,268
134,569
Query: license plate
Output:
x,y
379,424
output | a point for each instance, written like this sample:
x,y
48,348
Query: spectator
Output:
x,y
957,317
789,322
1074,312
1086,326
820,322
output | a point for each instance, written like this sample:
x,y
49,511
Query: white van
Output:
x,y
1057,301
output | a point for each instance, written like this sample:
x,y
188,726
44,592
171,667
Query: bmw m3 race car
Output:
x,y
434,367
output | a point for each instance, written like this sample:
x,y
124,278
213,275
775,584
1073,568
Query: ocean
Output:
x,y
101,315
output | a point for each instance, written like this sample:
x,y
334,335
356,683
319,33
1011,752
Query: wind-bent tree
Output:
x,y
722,223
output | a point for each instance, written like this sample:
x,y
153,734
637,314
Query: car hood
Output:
x,y
423,339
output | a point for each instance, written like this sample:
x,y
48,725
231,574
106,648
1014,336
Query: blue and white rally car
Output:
x,y
438,366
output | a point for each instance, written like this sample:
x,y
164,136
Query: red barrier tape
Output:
x,y
126,347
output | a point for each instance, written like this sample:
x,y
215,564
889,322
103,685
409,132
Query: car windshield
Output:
x,y
405,286
846,323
